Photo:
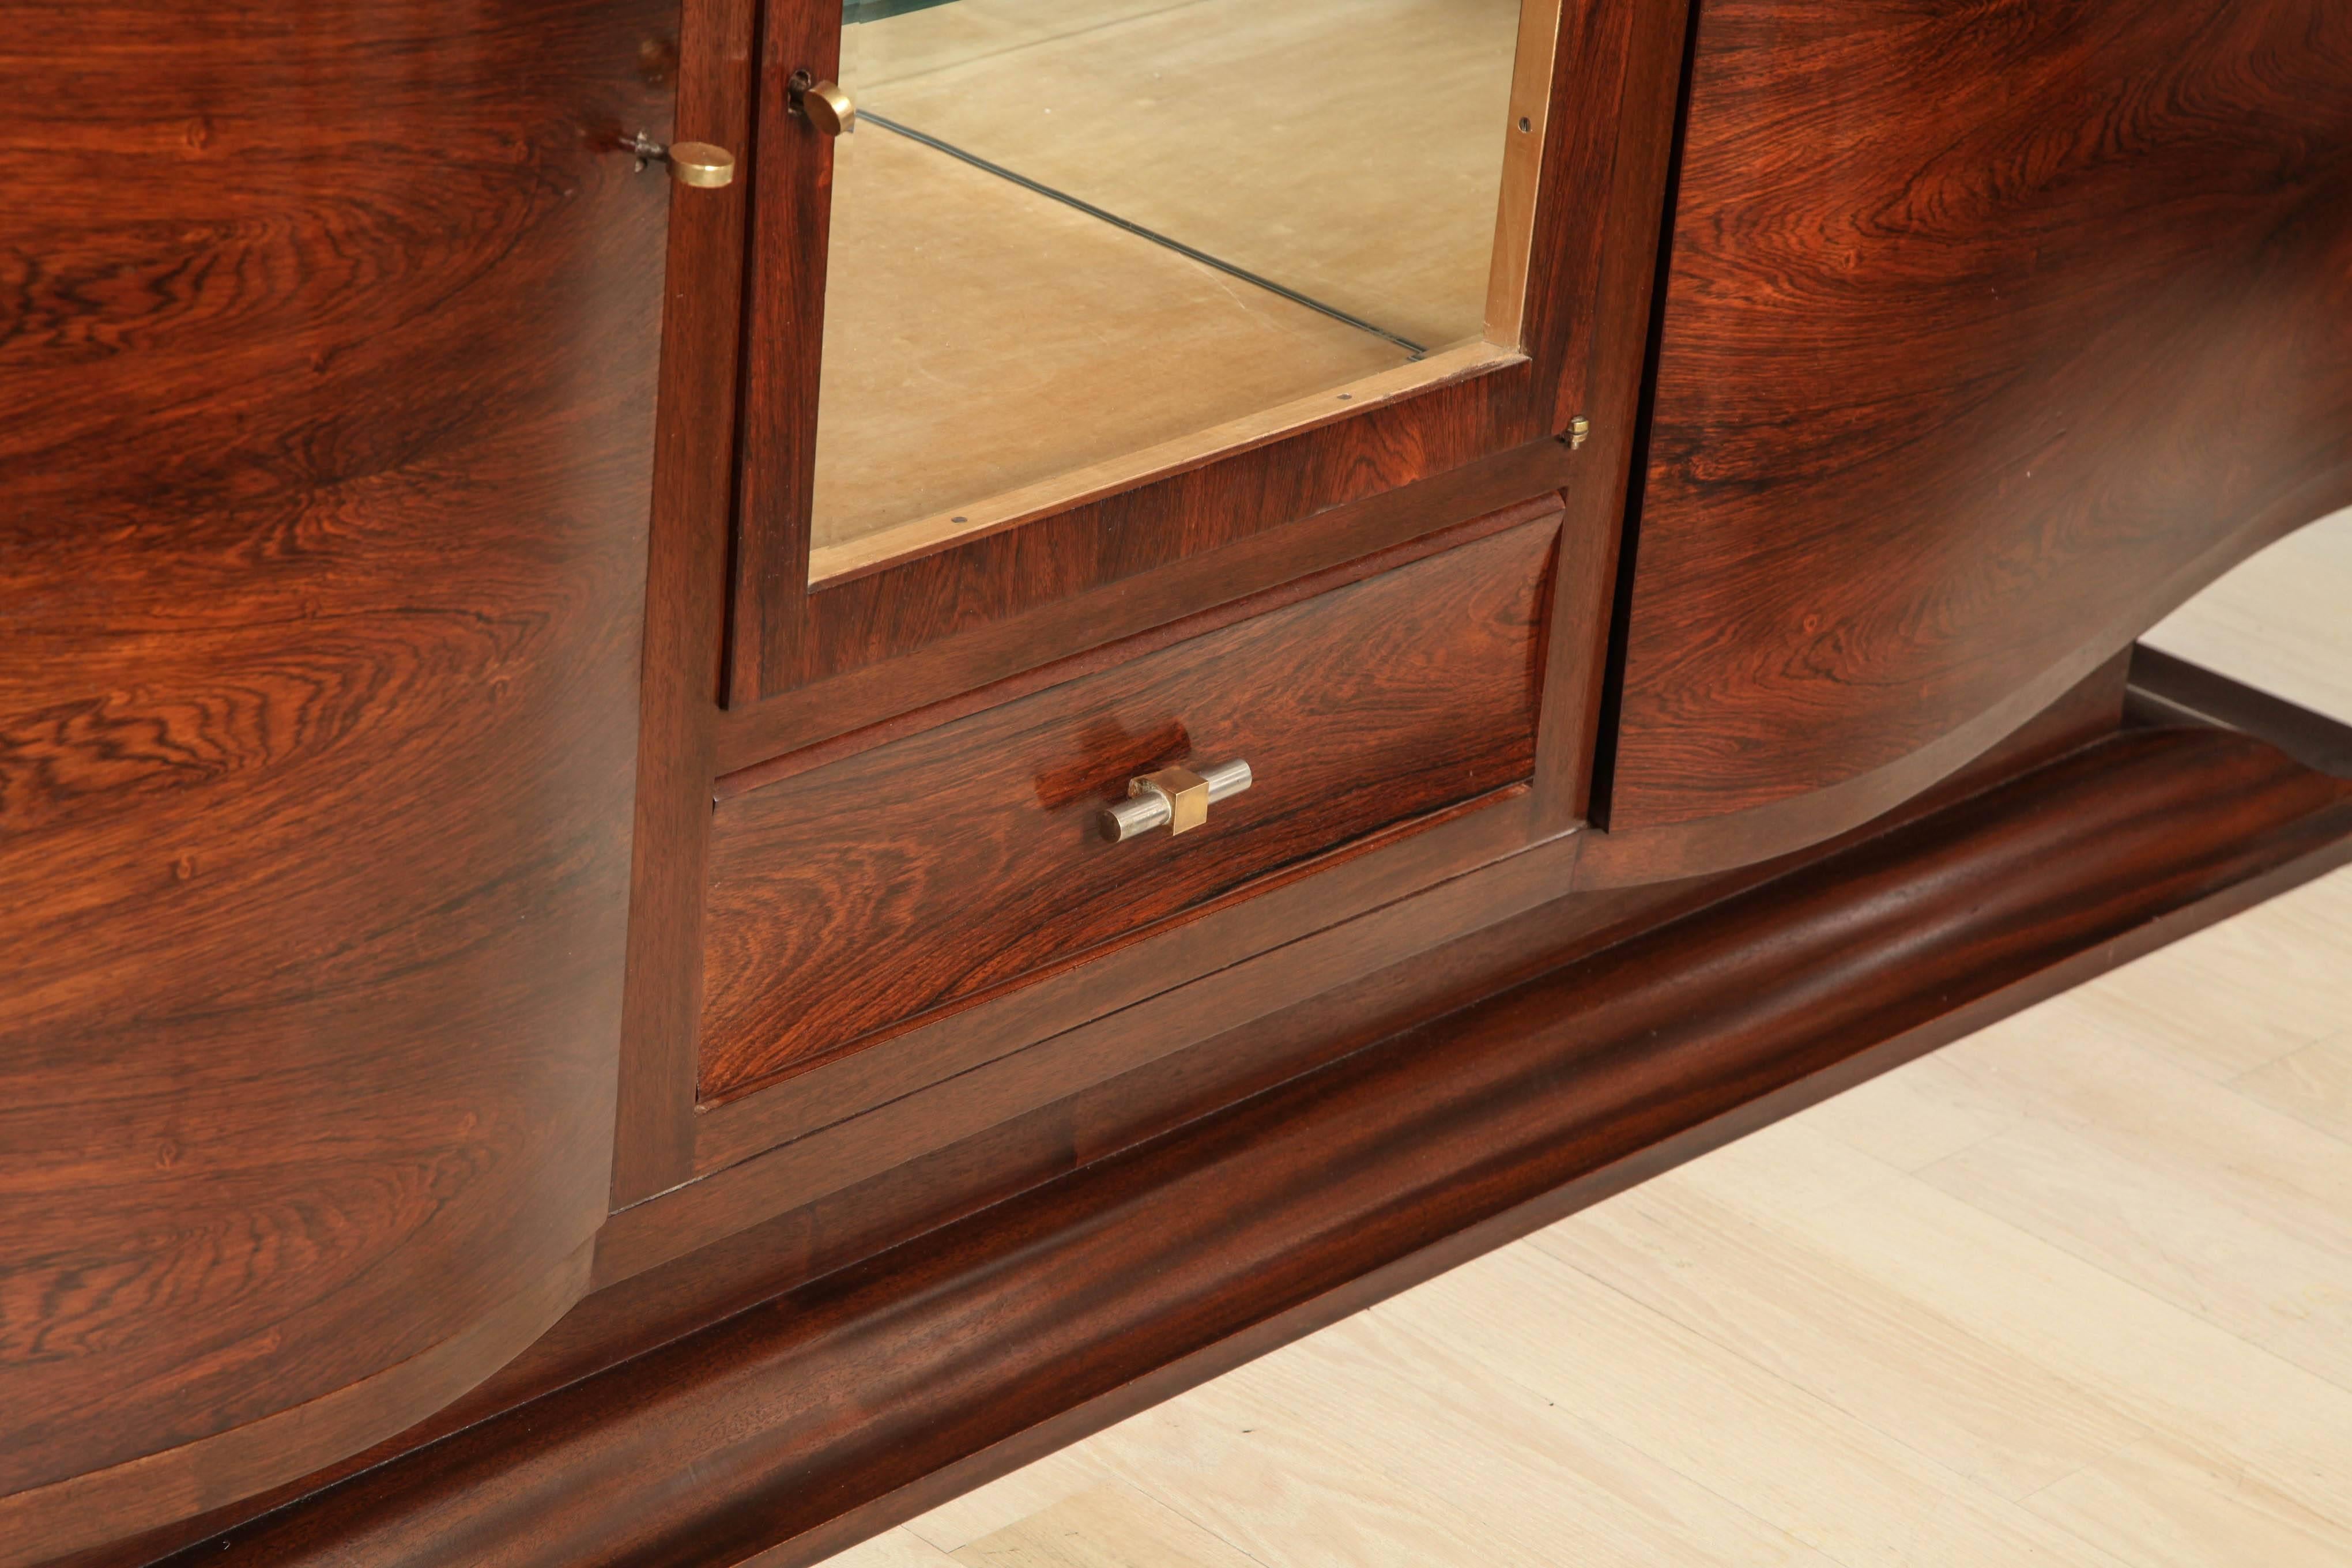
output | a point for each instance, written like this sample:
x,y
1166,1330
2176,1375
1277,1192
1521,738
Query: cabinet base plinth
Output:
x,y
856,1400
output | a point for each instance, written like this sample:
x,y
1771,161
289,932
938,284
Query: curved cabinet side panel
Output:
x,y
1993,332
327,347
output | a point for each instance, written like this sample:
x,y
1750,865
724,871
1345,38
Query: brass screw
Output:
x,y
1578,429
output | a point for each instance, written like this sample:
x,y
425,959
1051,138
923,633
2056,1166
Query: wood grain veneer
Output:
x,y
943,628
930,871
326,417
327,369
1397,967
686,594
1001,656
858,1399
1993,332
664,1140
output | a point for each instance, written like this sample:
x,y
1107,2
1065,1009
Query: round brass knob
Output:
x,y
825,106
700,163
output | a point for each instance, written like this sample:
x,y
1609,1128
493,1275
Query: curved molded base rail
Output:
x,y
1785,827
855,1401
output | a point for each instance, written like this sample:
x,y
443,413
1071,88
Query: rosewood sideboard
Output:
x,y
755,753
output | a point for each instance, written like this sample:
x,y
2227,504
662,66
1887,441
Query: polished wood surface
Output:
x,y
327,352
1126,566
975,665
858,1399
939,1084
1901,1338
685,610
951,1044
1991,334
328,398
783,636
669,1267
930,871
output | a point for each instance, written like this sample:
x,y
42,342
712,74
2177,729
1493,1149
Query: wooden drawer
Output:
x,y
851,901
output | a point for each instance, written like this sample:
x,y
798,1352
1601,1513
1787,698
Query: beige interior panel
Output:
x,y
1351,150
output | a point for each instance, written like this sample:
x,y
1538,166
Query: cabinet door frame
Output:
x,y
1592,267
785,635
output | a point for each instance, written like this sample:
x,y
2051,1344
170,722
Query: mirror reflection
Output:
x,y
1078,242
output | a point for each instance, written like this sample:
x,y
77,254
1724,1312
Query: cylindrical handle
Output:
x,y
824,105
1227,780
1175,798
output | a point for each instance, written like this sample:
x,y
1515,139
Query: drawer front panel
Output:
x,y
851,901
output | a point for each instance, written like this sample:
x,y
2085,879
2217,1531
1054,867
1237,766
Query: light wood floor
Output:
x,y
2075,1290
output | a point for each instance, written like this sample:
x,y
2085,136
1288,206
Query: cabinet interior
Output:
x,y
1074,244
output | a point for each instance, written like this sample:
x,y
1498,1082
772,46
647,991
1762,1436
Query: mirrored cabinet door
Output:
x,y
1046,296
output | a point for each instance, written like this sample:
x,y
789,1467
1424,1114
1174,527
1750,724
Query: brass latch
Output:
x,y
822,104
690,163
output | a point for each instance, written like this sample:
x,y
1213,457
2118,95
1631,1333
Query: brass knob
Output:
x,y
1175,798
700,163
690,163
824,105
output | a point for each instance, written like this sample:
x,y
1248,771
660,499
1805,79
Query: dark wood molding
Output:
x,y
1575,641
686,596
860,1397
2166,690
1607,390
990,659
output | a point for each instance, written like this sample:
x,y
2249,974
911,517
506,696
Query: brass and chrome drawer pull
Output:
x,y
1175,798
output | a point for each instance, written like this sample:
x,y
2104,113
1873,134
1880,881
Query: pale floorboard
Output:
x,y
2314,1083
2075,1290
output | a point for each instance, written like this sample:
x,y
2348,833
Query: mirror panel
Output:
x,y
1075,243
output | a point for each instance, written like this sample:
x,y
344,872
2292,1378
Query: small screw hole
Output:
x,y
1525,124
